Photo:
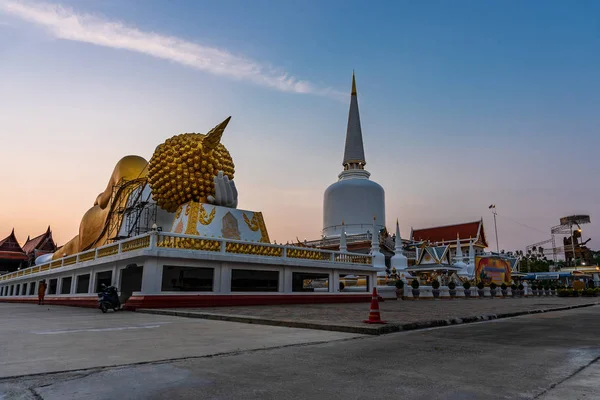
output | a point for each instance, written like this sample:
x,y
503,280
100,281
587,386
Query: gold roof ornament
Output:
x,y
353,93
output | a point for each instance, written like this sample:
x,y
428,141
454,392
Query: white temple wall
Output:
x,y
152,276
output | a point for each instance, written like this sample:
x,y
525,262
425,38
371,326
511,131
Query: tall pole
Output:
x,y
573,245
496,228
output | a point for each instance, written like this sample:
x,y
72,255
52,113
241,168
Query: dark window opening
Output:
x,y
247,280
103,278
52,286
187,279
310,282
83,284
65,287
18,291
24,290
32,288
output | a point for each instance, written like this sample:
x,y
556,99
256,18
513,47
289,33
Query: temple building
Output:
x,y
12,256
39,245
467,233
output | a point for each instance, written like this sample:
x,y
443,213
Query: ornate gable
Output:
x,y
42,243
10,248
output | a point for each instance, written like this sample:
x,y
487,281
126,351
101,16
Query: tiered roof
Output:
x,y
10,248
448,234
41,243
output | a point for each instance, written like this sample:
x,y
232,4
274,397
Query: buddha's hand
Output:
x,y
226,194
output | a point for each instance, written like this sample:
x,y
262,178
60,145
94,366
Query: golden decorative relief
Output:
x,y
307,254
252,223
176,242
204,218
258,223
264,235
135,244
70,260
253,249
196,213
230,228
191,211
108,251
89,255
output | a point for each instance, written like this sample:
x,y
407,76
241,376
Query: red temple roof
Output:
x,y
449,233
10,248
41,242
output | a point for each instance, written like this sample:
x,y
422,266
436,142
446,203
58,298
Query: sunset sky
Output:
x,y
463,104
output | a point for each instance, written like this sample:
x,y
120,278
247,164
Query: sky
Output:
x,y
463,104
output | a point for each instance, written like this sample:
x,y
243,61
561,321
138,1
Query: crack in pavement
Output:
x,y
572,375
93,370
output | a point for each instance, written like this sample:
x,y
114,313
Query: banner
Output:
x,y
490,269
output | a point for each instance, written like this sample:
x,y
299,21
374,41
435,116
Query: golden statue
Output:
x,y
184,168
191,167
93,229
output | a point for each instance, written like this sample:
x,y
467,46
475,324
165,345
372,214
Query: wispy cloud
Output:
x,y
64,23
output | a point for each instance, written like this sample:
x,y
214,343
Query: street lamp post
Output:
x,y
493,208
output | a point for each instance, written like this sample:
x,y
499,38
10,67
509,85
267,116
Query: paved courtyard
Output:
x,y
332,316
41,339
548,356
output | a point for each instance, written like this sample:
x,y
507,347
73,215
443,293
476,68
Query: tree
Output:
x,y
596,256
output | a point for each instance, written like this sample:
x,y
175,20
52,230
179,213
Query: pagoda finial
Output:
x,y
398,241
458,248
354,152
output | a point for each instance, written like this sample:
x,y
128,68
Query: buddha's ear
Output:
x,y
213,138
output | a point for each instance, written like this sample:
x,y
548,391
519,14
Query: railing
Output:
x,y
108,251
162,240
139,243
187,243
258,249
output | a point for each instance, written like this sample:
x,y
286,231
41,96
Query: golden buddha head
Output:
x,y
183,168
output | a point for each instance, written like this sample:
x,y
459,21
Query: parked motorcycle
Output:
x,y
109,298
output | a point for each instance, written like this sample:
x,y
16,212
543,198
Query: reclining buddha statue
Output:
x,y
185,173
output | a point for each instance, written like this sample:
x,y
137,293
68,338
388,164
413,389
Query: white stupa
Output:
x,y
399,260
353,198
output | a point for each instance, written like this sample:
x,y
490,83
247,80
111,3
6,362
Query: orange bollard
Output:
x,y
374,317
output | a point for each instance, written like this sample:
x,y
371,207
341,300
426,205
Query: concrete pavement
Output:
x,y
400,315
545,356
41,339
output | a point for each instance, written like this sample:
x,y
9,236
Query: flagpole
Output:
x,y
493,207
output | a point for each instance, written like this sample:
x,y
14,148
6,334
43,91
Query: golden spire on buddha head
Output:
x,y
184,167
